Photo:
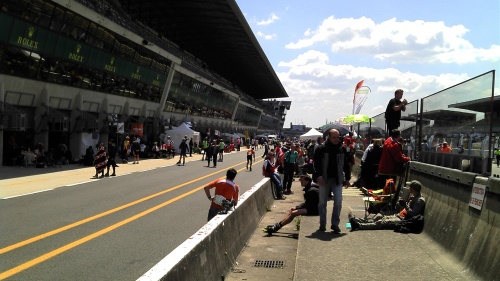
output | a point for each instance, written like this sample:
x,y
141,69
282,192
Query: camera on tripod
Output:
x,y
226,205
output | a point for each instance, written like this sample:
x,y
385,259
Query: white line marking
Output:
x,y
27,193
73,184
147,170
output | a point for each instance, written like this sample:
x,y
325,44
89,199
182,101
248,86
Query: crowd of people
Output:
x,y
330,161
324,167
37,155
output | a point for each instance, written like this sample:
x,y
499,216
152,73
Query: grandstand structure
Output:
x,y
70,68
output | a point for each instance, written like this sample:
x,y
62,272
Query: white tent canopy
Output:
x,y
178,133
312,134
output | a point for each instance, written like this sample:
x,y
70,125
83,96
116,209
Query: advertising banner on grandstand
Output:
x,y
41,41
72,50
360,96
27,35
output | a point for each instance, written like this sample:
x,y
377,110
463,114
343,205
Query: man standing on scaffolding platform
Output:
x,y
393,111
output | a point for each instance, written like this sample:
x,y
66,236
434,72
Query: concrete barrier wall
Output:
x,y
471,235
211,252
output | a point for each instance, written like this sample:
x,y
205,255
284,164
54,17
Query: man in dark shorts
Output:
x,y
308,208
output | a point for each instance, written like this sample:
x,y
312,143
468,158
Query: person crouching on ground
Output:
x,y
308,208
415,205
225,189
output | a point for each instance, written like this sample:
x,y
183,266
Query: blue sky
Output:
x,y
321,49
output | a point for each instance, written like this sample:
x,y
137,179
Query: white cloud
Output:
x,y
398,41
266,36
319,90
270,20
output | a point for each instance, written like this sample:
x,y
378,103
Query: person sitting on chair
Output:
x,y
308,208
414,206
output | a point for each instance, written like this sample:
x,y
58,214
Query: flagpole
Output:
x,y
354,100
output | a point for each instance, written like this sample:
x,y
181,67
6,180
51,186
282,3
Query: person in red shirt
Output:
x,y
445,148
224,189
349,139
392,159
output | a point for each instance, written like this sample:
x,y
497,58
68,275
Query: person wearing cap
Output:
x,y
308,208
445,148
415,205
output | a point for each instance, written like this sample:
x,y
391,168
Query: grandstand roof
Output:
x,y
216,32
444,114
479,105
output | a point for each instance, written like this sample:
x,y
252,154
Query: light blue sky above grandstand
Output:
x,y
321,49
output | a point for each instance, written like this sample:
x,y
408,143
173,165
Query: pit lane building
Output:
x,y
69,68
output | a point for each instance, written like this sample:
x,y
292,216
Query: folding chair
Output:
x,y
380,201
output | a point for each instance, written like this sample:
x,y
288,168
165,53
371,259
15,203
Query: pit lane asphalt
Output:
x,y
114,228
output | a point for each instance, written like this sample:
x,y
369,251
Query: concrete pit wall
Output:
x,y
471,235
211,252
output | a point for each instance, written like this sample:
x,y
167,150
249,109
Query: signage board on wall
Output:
x,y
477,196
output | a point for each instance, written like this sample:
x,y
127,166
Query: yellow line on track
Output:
x,y
51,254
89,219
